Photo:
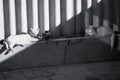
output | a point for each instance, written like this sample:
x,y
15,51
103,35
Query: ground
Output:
x,y
109,70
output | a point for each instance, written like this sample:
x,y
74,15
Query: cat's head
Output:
x,y
90,31
34,32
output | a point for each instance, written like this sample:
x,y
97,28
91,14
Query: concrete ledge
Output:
x,y
59,51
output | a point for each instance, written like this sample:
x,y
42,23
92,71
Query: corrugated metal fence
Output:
x,y
63,18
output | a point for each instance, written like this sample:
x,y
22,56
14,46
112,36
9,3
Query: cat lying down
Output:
x,y
101,32
19,40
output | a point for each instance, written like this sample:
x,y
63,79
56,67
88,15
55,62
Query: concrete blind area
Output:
x,y
63,18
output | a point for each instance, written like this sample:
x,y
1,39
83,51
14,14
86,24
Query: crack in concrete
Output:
x,y
66,48
65,51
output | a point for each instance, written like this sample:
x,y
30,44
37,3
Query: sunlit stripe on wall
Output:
x,y
24,16
69,9
2,35
57,13
98,1
12,17
79,6
46,14
89,3
35,13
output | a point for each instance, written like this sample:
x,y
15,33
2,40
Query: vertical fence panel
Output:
x,y
95,13
6,18
9,17
85,13
21,16
78,18
12,17
116,17
67,20
24,26
86,21
78,6
57,13
32,14
69,9
29,14
52,17
89,14
57,18
18,16
98,1
88,17
35,13
70,18
2,33
89,4
41,15
63,17
100,11
106,21
46,15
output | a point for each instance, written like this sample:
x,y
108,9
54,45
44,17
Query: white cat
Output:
x,y
15,40
90,31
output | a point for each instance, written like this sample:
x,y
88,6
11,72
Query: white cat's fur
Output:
x,y
21,39
90,31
